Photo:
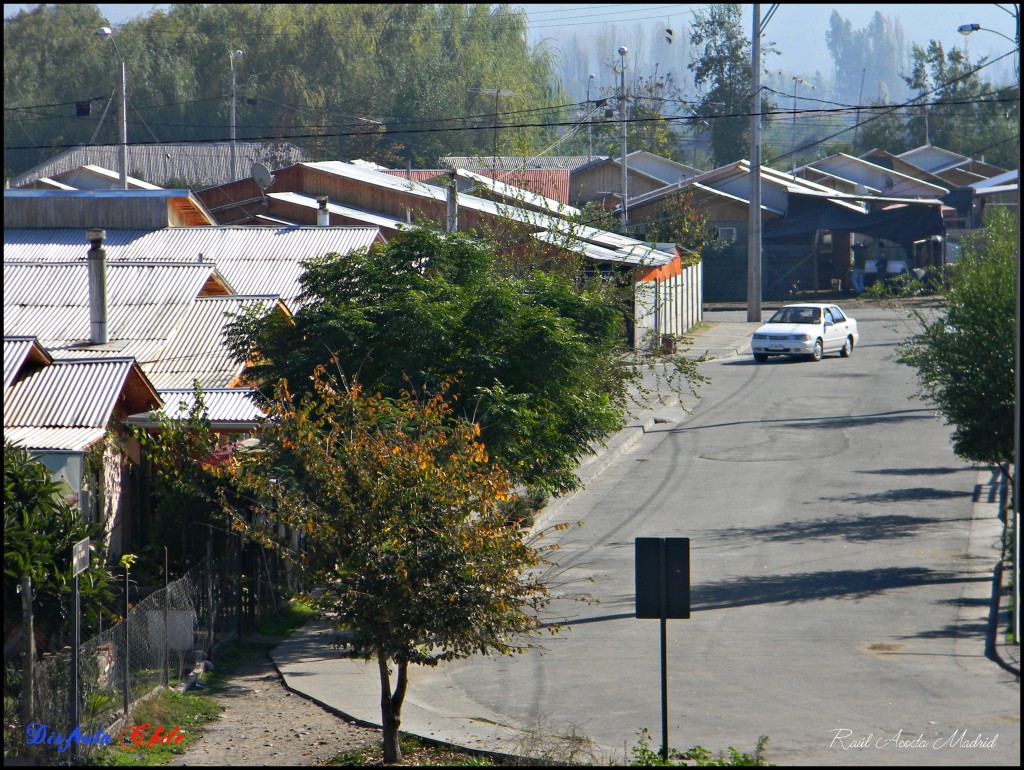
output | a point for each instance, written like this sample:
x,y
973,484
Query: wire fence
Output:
x,y
157,644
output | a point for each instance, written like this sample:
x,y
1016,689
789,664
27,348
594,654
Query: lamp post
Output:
x,y
797,80
622,120
231,56
122,110
590,136
967,29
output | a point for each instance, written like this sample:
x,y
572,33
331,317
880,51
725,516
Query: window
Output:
x,y
837,314
727,234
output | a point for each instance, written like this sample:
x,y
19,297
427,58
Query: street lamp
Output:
x,y
797,80
967,29
590,137
622,120
122,110
231,56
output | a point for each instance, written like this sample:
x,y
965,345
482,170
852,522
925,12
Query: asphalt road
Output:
x,y
829,523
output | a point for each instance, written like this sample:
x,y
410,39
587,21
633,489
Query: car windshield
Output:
x,y
797,315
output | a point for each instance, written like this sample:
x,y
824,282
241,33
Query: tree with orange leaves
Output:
x,y
391,505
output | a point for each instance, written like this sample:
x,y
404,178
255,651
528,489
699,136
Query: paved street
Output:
x,y
829,522
842,581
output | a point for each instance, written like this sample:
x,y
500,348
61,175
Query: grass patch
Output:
x,y
292,617
186,711
415,753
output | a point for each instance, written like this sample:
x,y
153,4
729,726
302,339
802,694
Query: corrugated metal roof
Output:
x,y
372,218
17,350
637,254
254,260
59,439
63,244
203,164
145,301
222,404
550,183
67,394
197,349
518,194
511,163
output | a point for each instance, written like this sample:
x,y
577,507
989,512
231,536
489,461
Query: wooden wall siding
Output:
x,y
147,213
592,183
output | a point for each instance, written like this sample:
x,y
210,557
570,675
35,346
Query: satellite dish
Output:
x,y
261,174
887,183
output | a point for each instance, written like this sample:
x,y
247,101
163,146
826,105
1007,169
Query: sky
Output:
x,y
798,29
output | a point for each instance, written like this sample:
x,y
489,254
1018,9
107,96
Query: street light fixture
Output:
x,y
122,109
590,137
231,56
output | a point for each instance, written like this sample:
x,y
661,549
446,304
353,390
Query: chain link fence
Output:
x,y
158,643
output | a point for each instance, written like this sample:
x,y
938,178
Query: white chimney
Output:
x,y
97,286
323,216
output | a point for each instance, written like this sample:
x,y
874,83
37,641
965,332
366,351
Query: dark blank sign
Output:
x,y
663,561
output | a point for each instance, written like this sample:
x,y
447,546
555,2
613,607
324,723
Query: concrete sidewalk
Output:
x,y
438,710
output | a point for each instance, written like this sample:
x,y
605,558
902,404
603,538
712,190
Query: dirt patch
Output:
x,y
265,724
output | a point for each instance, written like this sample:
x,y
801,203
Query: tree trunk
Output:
x,y
391,708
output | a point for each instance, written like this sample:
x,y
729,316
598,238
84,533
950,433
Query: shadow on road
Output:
x,y
816,586
817,423
855,529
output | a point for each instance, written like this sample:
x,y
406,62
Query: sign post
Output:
x,y
663,592
79,564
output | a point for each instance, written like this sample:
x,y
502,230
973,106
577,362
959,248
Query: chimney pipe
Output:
x,y
323,216
97,286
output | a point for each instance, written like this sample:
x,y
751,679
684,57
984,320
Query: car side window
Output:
x,y
828,316
837,315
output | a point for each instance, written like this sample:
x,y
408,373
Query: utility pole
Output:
x,y
122,110
754,236
231,56
622,120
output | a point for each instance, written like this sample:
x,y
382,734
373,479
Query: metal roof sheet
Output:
x,y
202,163
17,350
197,350
62,244
372,218
58,439
145,301
253,260
518,194
512,163
67,394
222,404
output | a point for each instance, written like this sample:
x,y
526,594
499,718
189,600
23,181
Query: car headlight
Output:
x,y
760,336
802,337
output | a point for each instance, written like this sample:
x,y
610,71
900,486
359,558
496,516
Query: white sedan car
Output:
x,y
810,330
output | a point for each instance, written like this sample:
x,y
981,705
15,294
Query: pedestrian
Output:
x,y
859,250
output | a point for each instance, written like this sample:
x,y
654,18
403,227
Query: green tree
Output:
x,y
537,355
40,527
965,357
721,69
186,490
678,220
395,502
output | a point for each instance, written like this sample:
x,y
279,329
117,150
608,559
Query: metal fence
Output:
x,y
158,643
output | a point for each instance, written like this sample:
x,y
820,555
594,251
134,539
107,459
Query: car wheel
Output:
x,y
818,352
760,357
847,348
